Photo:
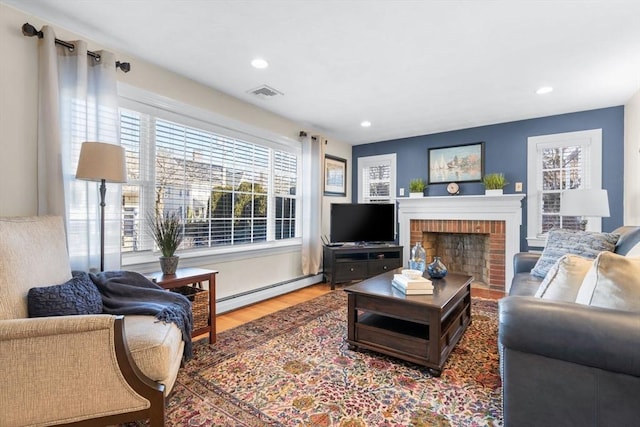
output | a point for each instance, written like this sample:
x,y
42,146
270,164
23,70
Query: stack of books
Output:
x,y
419,286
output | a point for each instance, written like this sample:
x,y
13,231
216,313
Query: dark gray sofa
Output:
x,y
568,364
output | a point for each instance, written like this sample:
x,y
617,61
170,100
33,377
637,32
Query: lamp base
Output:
x,y
583,225
103,193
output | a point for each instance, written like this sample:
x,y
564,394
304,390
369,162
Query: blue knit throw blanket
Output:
x,y
128,292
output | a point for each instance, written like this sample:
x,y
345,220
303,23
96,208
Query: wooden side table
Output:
x,y
193,277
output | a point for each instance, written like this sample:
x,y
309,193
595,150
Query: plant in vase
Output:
x,y
167,233
494,183
416,187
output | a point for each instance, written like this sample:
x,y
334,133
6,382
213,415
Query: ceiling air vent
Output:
x,y
265,92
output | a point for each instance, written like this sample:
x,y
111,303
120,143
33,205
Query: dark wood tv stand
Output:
x,y
358,262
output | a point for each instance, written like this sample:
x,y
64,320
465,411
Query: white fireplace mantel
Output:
x,y
507,208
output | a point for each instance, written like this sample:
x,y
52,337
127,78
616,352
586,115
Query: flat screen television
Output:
x,y
363,223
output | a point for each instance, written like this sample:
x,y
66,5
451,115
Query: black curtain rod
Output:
x,y
30,31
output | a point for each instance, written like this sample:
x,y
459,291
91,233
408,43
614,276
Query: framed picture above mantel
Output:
x,y
459,163
335,176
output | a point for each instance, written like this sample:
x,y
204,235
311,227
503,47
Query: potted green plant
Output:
x,y
494,184
167,232
416,187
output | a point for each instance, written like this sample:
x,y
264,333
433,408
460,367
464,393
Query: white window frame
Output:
x,y
136,99
591,140
364,163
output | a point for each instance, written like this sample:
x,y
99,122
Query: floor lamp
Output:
x,y
585,203
102,162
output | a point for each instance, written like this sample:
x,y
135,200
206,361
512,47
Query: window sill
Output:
x,y
228,253
536,242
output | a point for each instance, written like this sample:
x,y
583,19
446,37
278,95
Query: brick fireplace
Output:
x,y
474,247
476,234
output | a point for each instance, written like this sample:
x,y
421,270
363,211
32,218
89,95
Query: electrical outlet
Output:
x,y
402,191
518,187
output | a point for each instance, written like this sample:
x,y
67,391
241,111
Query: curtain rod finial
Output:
x,y
124,66
30,31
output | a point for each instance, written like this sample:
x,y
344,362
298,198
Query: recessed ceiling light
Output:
x,y
259,63
544,89
365,124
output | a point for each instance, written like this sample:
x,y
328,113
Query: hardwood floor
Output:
x,y
246,314
482,292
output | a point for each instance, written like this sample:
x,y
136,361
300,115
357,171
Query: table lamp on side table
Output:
x,y
584,204
100,161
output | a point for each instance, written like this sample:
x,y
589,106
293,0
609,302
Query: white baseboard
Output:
x,y
234,302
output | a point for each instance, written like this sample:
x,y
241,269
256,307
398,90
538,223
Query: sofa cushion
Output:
x,y
33,252
77,296
560,242
633,251
564,279
613,281
629,240
154,345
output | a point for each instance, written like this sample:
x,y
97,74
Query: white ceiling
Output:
x,y
409,67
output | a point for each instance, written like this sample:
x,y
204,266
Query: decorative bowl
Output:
x,y
412,274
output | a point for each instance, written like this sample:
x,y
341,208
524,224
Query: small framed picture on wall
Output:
x,y
335,176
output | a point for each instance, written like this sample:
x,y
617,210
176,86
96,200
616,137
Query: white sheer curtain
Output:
x,y
78,102
312,176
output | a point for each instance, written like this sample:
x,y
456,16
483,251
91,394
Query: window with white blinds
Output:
x,y
559,162
561,168
226,191
377,178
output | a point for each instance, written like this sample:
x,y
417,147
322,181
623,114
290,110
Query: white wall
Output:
x,y
343,151
632,161
18,138
18,115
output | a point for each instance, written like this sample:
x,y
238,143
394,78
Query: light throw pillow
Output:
x,y
79,295
587,244
613,281
564,279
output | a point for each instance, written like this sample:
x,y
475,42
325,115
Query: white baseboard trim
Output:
x,y
234,302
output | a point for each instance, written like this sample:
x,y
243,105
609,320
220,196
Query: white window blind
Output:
x,y
285,188
225,190
377,177
561,168
557,163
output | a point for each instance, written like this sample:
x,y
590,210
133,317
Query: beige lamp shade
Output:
x,y
100,160
589,203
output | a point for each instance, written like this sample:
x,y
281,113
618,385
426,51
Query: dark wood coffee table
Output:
x,y
422,329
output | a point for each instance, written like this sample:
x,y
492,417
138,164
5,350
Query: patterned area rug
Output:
x,y
294,368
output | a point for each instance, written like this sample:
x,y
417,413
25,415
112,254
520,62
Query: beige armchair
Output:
x,y
87,369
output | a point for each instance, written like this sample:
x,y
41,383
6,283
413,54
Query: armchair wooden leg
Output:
x,y
157,413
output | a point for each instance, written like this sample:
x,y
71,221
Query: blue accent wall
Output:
x,y
506,152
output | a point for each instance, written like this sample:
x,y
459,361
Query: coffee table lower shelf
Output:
x,y
395,337
427,341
